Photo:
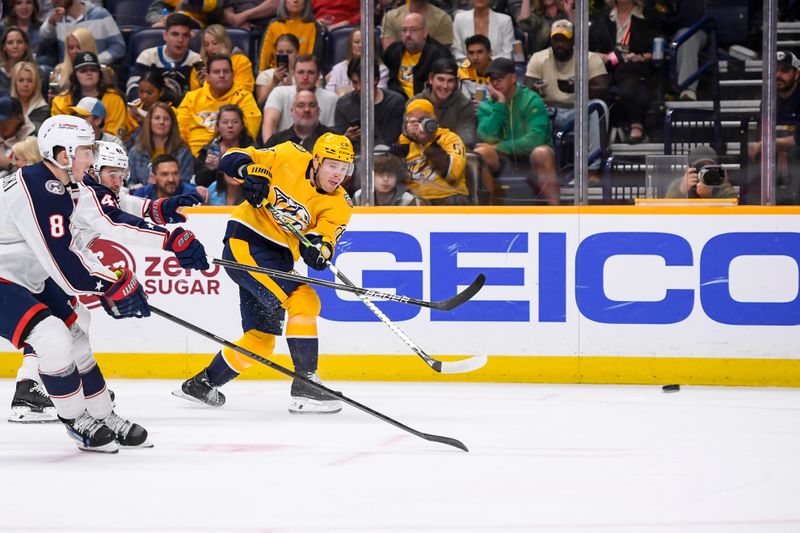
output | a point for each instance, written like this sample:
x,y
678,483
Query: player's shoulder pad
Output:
x,y
298,147
44,188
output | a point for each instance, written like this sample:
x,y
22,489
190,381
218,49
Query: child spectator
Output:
x,y
151,90
390,177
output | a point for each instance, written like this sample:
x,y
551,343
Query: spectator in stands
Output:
x,y
536,22
691,186
551,73
27,88
473,73
165,181
515,129
173,58
231,133
216,42
26,152
436,157
787,135
93,111
277,115
409,60
159,136
435,22
481,20
454,111
390,182
69,14
249,14
24,14
305,128
79,40
200,12
388,115
14,127
339,14
338,79
295,17
14,47
85,81
286,50
675,17
625,41
197,114
151,90
225,190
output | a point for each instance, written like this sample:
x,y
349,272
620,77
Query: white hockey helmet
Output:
x,y
65,131
108,154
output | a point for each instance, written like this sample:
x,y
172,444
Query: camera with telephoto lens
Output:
x,y
429,125
711,175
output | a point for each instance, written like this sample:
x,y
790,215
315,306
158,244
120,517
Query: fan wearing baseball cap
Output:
x,y
94,112
86,80
787,133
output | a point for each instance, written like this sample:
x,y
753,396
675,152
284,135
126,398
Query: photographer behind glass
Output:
x,y
704,178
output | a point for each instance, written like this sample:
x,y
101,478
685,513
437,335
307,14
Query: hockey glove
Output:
x,y
125,298
165,210
256,184
187,249
317,256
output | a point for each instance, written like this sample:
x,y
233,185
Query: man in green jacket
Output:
x,y
515,129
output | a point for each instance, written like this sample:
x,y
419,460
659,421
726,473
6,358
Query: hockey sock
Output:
x,y
64,389
98,400
305,353
219,372
256,341
30,365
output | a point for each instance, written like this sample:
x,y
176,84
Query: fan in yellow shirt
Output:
x,y
305,187
297,18
197,114
436,157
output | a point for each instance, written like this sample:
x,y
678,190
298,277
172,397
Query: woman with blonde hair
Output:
x,y
337,80
26,86
26,152
14,47
215,41
79,40
297,18
159,135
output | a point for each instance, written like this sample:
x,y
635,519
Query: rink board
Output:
x,y
595,295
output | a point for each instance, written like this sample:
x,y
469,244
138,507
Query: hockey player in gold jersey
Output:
x,y
304,187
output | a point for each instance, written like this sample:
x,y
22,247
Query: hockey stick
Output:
x,y
283,370
442,305
443,367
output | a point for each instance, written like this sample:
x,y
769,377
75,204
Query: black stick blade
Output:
x,y
462,297
445,440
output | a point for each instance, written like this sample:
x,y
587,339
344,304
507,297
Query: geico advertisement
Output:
x,y
556,284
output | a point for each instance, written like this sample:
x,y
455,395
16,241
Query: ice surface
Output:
x,y
543,457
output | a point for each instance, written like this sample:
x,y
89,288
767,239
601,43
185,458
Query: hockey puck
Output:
x,y
670,388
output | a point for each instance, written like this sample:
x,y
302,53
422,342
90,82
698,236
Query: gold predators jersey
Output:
x,y
293,193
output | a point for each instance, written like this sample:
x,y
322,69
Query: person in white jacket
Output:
x,y
480,20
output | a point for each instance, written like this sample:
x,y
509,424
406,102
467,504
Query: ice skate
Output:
x,y
129,434
31,404
308,400
198,389
91,434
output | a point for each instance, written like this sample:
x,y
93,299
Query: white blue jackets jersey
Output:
x,y
37,239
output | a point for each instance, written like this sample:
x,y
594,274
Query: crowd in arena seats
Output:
x,y
183,81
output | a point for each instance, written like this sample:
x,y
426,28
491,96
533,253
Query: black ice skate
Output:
x,y
31,404
92,434
198,389
129,434
308,400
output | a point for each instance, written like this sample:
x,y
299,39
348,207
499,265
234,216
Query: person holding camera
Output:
x,y
704,178
436,157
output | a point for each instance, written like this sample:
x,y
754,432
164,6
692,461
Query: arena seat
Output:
x,y
142,40
128,13
336,50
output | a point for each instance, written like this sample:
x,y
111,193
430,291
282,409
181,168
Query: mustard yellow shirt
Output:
x,y
292,192
242,73
306,33
197,114
116,112
425,182
406,73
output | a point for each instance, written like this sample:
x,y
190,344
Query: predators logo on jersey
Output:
x,y
296,212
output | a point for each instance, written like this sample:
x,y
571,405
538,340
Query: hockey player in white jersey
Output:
x,y
106,198
39,241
